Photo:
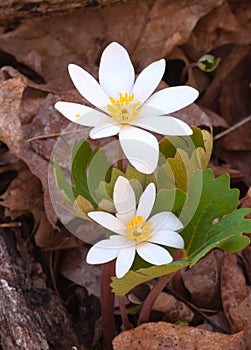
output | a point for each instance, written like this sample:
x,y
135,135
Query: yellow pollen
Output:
x,y
123,109
77,115
138,230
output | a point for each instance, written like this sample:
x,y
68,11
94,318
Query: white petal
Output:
x,y
81,114
154,254
168,238
166,220
140,147
146,202
124,260
172,99
124,199
105,130
164,125
88,87
148,80
108,221
97,255
106,250
116,73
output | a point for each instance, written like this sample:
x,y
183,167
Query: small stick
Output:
x,y
232,128
11,224
196,310
57,134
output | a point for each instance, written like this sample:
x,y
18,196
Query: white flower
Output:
x,y
135,230
126,107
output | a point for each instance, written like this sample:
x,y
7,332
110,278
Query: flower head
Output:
x,y
135,230
126,107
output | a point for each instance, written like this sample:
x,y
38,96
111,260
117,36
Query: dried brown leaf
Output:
x,y
11,92
173,309
235,293
202,280
193,115
167,25
158,336
75,268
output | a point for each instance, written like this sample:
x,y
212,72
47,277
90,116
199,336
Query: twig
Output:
x,y
123,313
196,310
107,305
232,128
11,224
149,301
57,134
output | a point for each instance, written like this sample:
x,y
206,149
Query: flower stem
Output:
x,y
185,70
107,305
123,313
148,303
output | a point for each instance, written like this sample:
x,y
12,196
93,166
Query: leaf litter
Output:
x,y
217,286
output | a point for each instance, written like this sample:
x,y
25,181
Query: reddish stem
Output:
x,y
123,313
185,70
150,299
107,305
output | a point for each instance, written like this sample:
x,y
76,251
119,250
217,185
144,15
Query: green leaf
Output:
x,y
166,200
99,170
62,183
81,156
208,63
184,155
122,286
169,145
208,199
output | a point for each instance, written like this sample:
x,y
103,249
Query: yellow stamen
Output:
x,y
138,230
123,109
77,115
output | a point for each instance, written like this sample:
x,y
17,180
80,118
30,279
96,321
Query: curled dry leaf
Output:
x,y
173,309
11,92
172,23
235,294
211,97
75,268
152,30
203,280
228,23
193,115
161,336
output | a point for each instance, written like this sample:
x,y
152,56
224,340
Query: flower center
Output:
x,y
138,230
123,109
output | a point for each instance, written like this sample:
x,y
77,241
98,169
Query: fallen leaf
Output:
x,y
158,336
203,281
75,268
235,293
11,92
173,309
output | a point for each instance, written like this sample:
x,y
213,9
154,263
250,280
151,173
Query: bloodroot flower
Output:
x,y
134,231
126,107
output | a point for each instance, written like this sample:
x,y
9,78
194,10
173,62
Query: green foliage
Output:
x,y
207,201
88,168
208,63
184,155
214,199
63,185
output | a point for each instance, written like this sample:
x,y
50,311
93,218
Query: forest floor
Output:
x,y
50,297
